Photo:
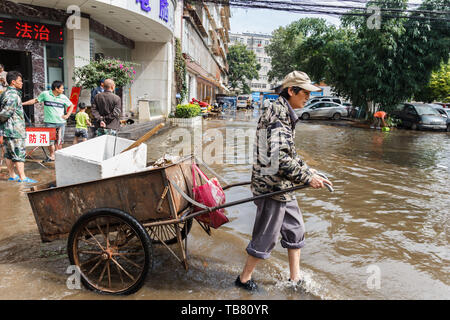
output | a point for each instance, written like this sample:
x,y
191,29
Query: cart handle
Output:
x,y
234,203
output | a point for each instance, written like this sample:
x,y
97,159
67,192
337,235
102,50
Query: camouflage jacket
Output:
x,y
276,164
12,121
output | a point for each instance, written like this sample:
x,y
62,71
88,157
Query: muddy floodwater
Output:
x,y
383,233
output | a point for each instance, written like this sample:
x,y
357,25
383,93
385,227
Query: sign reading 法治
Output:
x,y
31,30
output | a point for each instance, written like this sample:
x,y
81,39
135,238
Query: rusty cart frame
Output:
x,y
111,224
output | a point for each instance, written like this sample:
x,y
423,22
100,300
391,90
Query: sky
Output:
x,y
265,21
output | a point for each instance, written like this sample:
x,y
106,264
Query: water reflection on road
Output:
x,y
383,233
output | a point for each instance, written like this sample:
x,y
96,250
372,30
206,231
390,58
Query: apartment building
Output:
x,y
257,43
205,37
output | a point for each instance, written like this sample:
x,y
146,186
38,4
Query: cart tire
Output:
x,y
167,232
113,244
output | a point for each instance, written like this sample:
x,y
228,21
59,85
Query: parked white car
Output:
x,y
330,110
325,99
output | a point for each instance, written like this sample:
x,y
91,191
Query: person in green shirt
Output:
x,y
55,106
82,122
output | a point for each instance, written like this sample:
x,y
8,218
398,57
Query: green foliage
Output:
x,y
439,87
367,66
295,48
180,70
88,76
243,67
392,121
187,110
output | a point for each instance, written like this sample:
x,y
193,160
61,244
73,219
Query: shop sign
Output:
x,y
31,30
164,10
145,5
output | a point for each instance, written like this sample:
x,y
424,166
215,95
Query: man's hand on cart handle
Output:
x,y
324,181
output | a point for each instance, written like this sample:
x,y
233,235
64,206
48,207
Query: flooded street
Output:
x,y
383,233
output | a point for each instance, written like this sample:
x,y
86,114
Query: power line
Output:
x,y
321,9
300,5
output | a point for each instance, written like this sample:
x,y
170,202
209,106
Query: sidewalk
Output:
x,y
130,131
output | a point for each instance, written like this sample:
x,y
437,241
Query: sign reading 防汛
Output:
x,y
31,30
37,139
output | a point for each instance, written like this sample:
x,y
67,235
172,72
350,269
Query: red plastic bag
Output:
x,y
210,194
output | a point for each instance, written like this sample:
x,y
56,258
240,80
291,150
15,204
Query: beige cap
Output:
x,y
299,79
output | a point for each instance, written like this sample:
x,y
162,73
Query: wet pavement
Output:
x,y
383,233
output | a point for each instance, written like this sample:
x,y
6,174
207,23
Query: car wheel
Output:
x,y
448,127
305,116
336,116
414,126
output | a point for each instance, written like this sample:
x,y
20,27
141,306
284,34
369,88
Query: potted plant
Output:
x,y
187,115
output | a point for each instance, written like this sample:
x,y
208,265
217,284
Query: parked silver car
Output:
x,y
330,110
445,113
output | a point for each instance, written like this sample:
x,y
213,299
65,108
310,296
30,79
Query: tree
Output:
x,y
388,65
292,46
370,66
243,67
439,87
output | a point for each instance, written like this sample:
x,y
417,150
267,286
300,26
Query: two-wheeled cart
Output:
x,y
112,223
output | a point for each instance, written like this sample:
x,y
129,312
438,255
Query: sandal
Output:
x,y
27,180
16,178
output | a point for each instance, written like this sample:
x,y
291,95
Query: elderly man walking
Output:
x,y
106,110
12,128
277,166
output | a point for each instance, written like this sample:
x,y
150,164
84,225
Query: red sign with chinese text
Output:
x,y
31,31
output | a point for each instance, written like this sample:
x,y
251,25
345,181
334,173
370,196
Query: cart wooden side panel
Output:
x,y
57,209
181,174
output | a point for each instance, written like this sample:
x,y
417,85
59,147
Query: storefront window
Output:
x,y
54,64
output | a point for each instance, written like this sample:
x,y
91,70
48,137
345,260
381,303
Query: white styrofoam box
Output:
x,y
94,159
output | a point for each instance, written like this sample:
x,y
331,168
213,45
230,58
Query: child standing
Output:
x,y
82,121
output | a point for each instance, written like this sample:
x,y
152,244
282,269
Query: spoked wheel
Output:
x,y
167,232
112,250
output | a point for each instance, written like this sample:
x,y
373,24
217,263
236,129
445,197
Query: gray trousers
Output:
x,y
272,218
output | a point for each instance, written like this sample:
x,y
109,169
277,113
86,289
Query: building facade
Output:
x,y
205,37
47,39
257,43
